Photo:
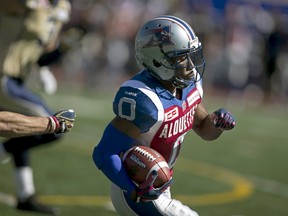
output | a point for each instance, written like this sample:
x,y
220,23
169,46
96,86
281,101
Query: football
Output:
x,y
140,161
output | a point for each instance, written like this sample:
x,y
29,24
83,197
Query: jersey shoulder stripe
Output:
x,y
138,103
146,90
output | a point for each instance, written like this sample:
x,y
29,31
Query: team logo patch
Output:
x,y
192,98
159,36
172,114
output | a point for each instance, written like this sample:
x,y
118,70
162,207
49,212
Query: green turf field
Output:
x,y
244,173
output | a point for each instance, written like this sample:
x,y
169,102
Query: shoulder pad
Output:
x,y
135,105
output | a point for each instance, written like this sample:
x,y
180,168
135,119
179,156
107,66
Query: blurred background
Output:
x,y
245,43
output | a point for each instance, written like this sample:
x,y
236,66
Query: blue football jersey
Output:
x,y
162,118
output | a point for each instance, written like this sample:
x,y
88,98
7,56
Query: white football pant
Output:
x,y
164,205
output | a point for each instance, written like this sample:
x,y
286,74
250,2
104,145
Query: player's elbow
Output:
x,y
208,135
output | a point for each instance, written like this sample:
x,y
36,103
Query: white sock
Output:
x,y
24,182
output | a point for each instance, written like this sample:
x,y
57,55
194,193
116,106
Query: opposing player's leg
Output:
x,y
25,190
19,99
164,205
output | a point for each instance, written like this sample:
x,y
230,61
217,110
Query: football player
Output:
x,y
156,108
27,29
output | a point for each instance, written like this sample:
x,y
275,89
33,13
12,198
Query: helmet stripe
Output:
x,y
182,23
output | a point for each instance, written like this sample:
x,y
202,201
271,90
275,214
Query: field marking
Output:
x,y
269,186
241,188
76,200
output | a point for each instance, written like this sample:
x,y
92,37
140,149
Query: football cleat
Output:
x,y
31,204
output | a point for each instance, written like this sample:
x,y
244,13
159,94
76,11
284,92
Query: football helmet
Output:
x,y
162,43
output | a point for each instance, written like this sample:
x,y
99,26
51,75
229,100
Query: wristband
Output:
x,y
54,124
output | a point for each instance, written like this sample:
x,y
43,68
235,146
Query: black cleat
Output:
x,y
31,204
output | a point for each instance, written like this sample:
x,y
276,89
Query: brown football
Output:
x,y
140,161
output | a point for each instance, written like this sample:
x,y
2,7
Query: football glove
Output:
x,y
62,121
223,119
146,191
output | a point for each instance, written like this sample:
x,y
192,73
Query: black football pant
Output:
x,y
19,147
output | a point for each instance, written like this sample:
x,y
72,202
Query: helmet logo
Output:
x,y
159,36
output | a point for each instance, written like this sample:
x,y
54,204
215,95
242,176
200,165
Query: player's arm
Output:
x,y
61,15
209,126
16,125
117,138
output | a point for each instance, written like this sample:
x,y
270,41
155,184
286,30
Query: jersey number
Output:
x,y
128,105
176,150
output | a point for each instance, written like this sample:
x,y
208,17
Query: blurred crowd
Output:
x,y
245,43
